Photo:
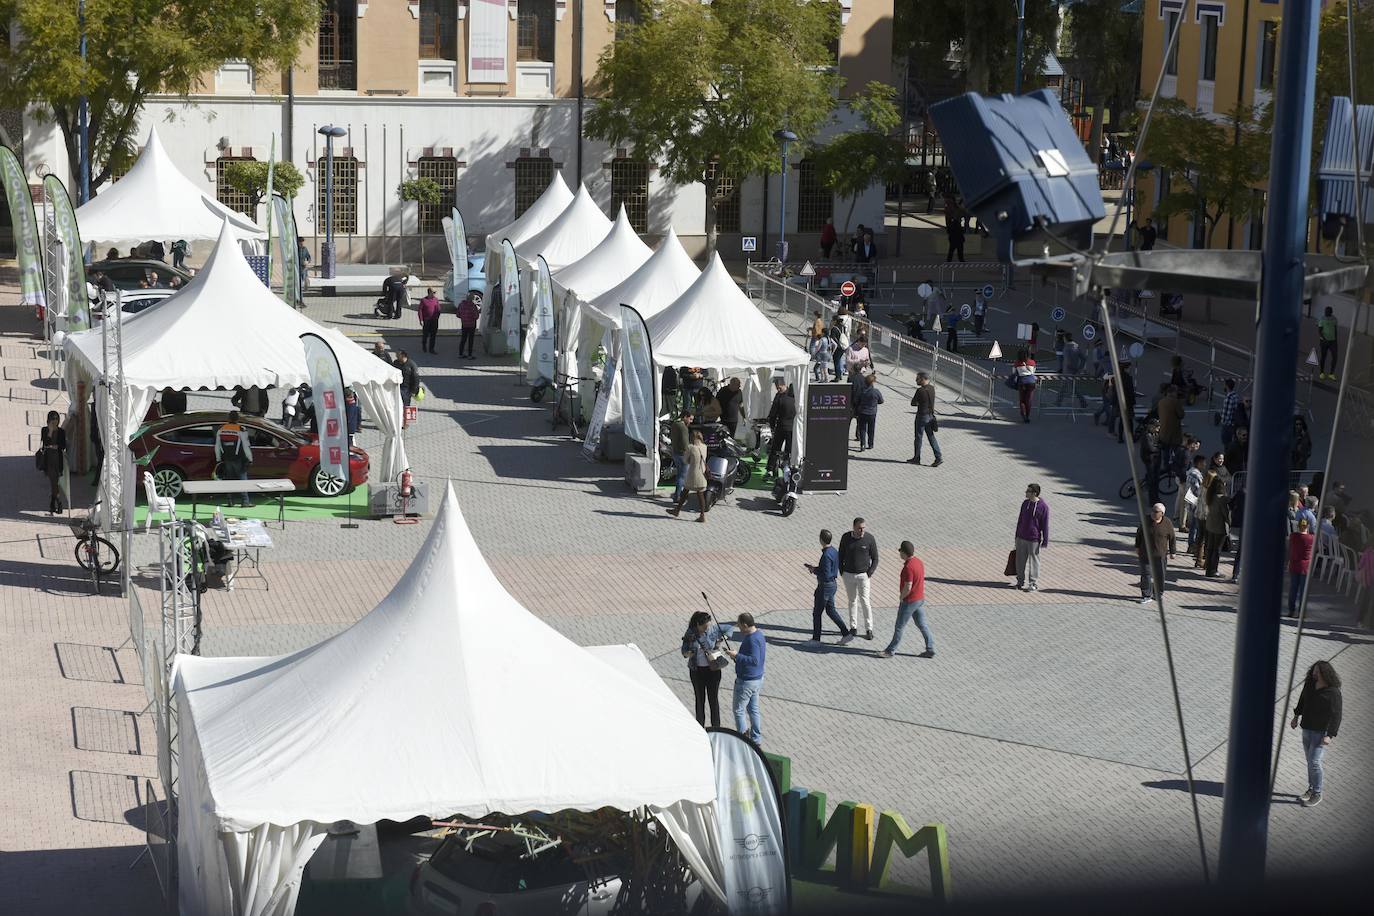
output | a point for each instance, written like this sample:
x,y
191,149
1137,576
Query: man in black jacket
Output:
x,y
858,562
729,397
410,379
1126,423
782,416
924,402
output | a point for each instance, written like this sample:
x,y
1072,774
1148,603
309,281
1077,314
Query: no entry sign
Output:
x,y
847,288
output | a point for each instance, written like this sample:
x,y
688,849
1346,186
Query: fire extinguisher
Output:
x,y
407,492
405,483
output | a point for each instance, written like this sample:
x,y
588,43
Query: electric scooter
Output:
x,y
787,489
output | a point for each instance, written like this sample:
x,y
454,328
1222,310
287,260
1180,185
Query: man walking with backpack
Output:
x,y
233,454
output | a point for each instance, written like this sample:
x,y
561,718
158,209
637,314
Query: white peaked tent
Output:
x,y
715,326
543,211
154,200
619,255
575,232
226,328
438,702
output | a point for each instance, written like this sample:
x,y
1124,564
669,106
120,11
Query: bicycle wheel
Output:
x,y
1127,490
97,554
1168,484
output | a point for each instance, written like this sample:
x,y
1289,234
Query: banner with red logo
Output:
x,y
327,387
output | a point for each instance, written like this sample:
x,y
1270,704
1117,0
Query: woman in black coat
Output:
x,y
1319,713
54,452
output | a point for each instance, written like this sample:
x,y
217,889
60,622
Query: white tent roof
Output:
x,y
448,698
654,286
154,200
224,329
714,325
543,211
617,256
576,231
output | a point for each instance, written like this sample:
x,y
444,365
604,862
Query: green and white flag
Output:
x,y
78,311
25,228
287,243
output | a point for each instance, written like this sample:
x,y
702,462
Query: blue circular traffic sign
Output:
x,y
1089,332
966,311
1058,313
987,291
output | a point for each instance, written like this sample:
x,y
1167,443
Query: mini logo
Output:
x,y
752,842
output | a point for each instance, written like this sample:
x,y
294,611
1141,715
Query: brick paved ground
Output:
x,y
1043,734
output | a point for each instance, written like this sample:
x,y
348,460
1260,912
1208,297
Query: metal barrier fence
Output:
x,y
959,275
967,383
148,656
157,838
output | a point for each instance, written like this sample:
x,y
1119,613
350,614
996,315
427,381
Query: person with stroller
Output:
x,y
701,646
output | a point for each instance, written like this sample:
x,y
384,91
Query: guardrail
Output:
x,y
956,275
969,384
157,840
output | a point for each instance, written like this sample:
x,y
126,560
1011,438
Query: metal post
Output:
x,y
1245,809
83,113
1020,39
327,257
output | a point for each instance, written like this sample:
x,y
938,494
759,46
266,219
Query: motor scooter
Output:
x,y
720,478
787,489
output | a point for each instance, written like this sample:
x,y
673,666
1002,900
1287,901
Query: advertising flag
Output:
x,y
749,825
592,443
637,379
26,240
510,296
287,245
327,387
455,234
539,342
64,218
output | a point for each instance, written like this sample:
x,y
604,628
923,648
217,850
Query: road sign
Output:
x,y
1312,357
966,311
847,288
936,327
1089,332
749,243
987,291
1058,314
1137,350
924,290
996,351
808,270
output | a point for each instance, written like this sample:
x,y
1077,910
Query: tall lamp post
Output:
x,y
1020,39
329,132
783,137
83,116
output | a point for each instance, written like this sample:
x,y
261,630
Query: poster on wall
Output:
x,y
828,421
488,41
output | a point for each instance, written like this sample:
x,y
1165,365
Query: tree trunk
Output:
x,y
849,214
1095,131
712,183
975,52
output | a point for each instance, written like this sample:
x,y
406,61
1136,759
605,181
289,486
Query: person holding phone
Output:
x,y
826,573
701,646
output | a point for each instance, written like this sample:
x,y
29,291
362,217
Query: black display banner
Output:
x,y
828,416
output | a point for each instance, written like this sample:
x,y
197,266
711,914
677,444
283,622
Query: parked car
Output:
x,y
127,273
136,301
495,877
476,281
183,448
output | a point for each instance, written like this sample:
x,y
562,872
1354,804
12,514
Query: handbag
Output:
x,y
1011,564
38,460
934,425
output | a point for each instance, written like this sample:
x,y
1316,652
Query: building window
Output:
x,y
1208,70
227,194
338,57
1257,221
438,30
626,13
1268,56
443,170
534,31
345,194
532,177
1172,17
815,202
630,186
727,201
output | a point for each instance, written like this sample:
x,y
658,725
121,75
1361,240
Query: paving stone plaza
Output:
x,y
1042,734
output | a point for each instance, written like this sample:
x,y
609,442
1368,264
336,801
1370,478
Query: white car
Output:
x,y
495,878
476,281
136,300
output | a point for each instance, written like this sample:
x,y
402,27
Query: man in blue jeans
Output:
x,y
913,602
748,678
679,436
826,573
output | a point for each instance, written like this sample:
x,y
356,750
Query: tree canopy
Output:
x,y
872,151
700,89
135,48
249,176
1110,80
983,32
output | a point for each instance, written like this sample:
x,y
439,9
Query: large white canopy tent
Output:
x,y
575,232
655,285
618,255
715,326
543,211
154,200
438,702
225,328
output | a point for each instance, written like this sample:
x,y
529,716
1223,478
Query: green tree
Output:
x,y
870,152
135,48
699,89
249,176
1109,79
1214,165
422,191
983,32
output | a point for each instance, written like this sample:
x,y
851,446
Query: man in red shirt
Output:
x,y
428,311
912,603
469,310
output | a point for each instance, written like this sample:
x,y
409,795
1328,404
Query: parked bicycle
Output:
x,y
1168,485
93,553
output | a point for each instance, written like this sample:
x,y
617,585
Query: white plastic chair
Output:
x,y
156,504
1349,563
1328,556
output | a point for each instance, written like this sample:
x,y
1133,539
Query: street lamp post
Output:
x,y
329,132
83,115
783,137
1020,39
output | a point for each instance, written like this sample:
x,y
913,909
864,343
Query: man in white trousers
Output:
x,y
858,561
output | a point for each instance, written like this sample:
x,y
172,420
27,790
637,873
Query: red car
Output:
x,y
183,448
